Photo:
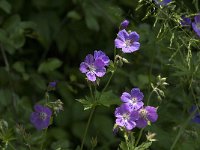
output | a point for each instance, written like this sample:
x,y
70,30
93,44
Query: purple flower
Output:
x,y
128,42
125,117
196,117
196,25
94,66
186,21
134,99
41,117
146,114
101,55
124,24
52,84
162,2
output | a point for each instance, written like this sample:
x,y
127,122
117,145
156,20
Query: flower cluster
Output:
x,y
94,65
132,113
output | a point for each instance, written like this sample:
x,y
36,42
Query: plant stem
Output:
x,y
91,93
126,136
107,83
139,137
5,59
182,128
148,100
43,138
88,124
7,65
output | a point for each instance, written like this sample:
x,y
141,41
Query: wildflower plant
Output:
x,y
132,113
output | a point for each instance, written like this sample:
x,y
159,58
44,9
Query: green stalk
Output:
x,y
107,83
43,138
93,109
148,100
139,137
126,139
88,124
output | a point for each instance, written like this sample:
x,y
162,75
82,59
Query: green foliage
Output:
x,y
5,6
143,146
49,65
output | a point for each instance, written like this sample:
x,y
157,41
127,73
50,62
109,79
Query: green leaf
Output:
x,y
91,22
104,125
143,146
87,104
6,97
60,145
12,36
108,98
49,65
19,66
5,6
38,81
74,15
123,145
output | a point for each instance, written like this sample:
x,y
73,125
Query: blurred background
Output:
x,y
46,40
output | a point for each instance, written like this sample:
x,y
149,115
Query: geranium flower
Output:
x,y
128,42
125,117
94,66
146,114
134,99
196,25
196,117
41,117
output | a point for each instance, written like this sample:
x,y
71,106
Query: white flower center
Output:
x,y
128,43
134,100
92,68
43,115
126,116
198,26
143,113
